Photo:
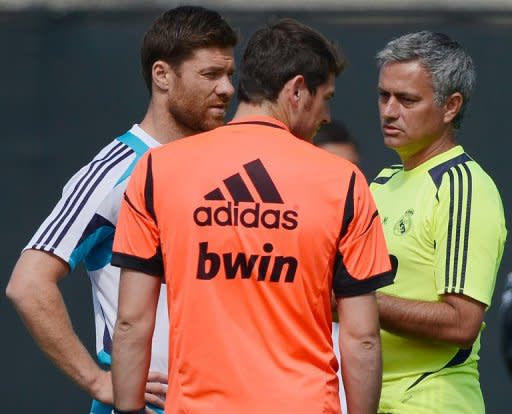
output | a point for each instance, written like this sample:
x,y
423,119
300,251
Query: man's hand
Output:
x,y
156,390
102,389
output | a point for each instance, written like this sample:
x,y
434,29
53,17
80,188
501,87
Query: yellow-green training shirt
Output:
x,y
444,222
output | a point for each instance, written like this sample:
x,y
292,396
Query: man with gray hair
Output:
x,y
444,223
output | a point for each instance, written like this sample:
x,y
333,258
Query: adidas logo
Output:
x,y
239,191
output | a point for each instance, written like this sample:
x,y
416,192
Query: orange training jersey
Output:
x,y
251,228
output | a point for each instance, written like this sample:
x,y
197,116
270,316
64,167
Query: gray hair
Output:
x,y
450,67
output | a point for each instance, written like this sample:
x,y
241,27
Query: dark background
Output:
x,y
70,82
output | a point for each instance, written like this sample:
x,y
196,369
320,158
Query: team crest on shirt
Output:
x,y
404,224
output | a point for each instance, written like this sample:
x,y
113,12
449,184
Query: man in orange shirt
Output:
x,y
251,237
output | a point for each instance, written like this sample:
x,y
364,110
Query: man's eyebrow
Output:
x,y
217,68
406,95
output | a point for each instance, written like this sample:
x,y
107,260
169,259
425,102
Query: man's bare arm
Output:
x,y
455,319
138,298
360,352
36,296
33,289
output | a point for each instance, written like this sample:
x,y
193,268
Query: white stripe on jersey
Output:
x,y
91,185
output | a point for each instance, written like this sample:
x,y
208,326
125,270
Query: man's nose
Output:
x,y
225,87
389,109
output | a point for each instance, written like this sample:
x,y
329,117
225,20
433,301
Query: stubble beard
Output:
x,y
192,122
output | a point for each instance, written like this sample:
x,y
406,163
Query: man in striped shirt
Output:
x,y
187,63
443,220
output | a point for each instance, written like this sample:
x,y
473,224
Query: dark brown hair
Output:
x,y
175,35
280,51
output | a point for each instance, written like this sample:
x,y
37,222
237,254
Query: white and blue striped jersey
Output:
x,y
81,229
335,344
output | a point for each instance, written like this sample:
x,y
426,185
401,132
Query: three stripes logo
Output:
x,y
232,198
237,190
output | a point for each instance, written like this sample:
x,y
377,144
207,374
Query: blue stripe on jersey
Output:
x,y
107,341
101,254
134,142
89,172
88,195
157,410
383,179
461,234
451,209
137,145
100,408
104,358
437,172
458,227
466,230
94,174
95,245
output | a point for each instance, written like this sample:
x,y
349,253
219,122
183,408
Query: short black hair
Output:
x,y
280,51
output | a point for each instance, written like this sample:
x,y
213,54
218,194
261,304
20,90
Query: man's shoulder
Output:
x,y
103,177
387,174
454,162
115,161
112,152
461,170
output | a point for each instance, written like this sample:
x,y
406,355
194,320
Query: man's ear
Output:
x,y
452,106
162,75
294,90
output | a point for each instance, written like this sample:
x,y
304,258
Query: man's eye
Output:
x,y
408,101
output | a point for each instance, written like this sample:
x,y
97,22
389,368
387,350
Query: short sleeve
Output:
x,y
77,224
469,233
136,242
363,263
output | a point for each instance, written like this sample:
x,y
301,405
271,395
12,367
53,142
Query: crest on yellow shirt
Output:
x,y
404,224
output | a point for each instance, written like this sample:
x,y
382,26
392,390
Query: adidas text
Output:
x,y
264,267
248,217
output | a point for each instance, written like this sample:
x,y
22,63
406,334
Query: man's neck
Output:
x,y
159,124
246,109
440,145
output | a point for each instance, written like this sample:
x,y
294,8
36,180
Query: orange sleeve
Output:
x,y
362,264
136,241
